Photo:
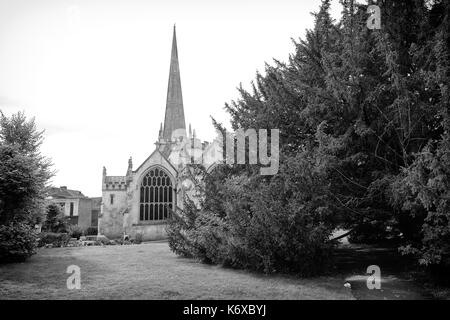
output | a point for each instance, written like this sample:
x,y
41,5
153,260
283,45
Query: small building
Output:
x,y
81,210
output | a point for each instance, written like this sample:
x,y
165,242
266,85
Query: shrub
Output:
x,y
91,231
138,238
121,241
55,220
423,190
75,231
104,240
209,239
55,239
179,227
18,241
268,225
370,233
275,228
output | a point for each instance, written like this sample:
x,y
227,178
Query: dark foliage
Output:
x,y
53,238
364,125
18,242
24,174
91,231
75,231
55,220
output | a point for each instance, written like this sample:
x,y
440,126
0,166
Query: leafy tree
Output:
x,y
24,172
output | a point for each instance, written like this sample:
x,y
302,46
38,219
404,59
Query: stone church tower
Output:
x,y
141,201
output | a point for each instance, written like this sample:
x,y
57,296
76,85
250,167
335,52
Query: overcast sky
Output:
x,y
94,72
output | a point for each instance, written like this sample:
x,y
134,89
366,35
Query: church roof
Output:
x,y
174,118
150,156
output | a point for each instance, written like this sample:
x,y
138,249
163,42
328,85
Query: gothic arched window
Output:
x,y
156,196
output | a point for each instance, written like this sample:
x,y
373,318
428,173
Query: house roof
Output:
x,y
64,193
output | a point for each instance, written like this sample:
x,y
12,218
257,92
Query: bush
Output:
x,y
91,231
268,225
370,233
177,239
275,227
179,227
210,242
120,241
55,239
75,231
138,238
18,241
55,220
103,240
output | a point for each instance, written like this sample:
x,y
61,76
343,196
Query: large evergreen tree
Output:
x,y
364,127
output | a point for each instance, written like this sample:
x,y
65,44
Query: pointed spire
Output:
x,y
160,134
190,131
174,118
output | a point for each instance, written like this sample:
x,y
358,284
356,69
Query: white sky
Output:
x,y
94,72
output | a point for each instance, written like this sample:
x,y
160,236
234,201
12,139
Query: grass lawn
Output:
x,y
150,271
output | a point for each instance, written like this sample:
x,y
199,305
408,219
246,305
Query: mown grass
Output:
x,y
151,271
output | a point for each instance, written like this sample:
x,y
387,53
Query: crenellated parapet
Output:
x,y
115,183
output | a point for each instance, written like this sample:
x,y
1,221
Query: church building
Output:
x,y
141,201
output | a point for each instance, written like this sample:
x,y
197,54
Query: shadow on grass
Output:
x,y
401,279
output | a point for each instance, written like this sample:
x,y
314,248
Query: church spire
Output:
x,y
174,118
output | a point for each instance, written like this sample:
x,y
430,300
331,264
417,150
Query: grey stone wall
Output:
x,y
111,219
